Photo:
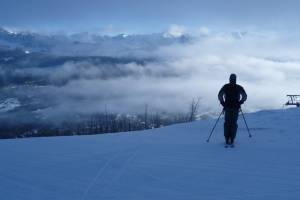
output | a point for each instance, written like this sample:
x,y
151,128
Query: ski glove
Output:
x,y
222,103
241,102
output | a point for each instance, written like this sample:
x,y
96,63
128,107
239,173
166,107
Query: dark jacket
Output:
x,y
232,95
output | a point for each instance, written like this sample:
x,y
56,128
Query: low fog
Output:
x,y
266,63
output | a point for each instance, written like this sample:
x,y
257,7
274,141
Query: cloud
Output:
x,y
204,31
267,65
175,31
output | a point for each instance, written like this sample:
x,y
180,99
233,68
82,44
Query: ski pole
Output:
x,y
246,123
215,126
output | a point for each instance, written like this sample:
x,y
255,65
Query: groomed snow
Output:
x,y
171,163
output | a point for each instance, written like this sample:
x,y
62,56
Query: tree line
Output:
x,y
99,123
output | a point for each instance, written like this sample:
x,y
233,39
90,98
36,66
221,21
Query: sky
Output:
x,y
141,16
266,60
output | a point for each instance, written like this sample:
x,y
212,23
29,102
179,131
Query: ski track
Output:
x,y
99,172
117,175
169,163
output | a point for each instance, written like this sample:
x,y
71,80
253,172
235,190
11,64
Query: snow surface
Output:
x,y
170,163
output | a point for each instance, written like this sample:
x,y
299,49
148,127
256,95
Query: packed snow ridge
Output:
x,y
170,163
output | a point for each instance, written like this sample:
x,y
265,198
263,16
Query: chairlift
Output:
x,y
294,100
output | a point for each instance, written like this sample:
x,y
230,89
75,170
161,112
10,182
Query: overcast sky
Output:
x,y
143,16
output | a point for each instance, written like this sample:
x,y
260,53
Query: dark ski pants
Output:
x,y
230,125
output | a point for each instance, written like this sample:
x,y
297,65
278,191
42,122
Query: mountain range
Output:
x,y
87,44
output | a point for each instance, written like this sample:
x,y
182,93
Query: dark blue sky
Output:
x,y
146,15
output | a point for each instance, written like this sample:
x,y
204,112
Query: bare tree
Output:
x,y
146,116
193,109
157,121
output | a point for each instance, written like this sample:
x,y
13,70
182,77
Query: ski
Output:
x,y
229,145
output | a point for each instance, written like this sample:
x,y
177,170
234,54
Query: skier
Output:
x,y
231,97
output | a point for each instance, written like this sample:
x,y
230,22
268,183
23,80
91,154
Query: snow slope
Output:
x,y
170,163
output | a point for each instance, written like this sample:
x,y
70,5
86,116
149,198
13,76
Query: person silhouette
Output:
x,y
231,97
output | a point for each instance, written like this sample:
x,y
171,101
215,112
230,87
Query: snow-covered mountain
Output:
x,y
90,44
173,162
9,104
87,43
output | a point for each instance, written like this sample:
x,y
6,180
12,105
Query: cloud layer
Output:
x,y
266,63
